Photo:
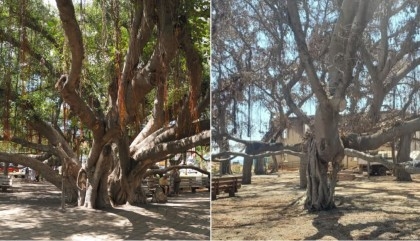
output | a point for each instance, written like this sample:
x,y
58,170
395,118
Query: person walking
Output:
x,y
27,174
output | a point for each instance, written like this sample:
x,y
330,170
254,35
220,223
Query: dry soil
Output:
x,y
271,208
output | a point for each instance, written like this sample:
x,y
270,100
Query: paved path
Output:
x,y
32,211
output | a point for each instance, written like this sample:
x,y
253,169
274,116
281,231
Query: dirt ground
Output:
x,y
271,208
32,211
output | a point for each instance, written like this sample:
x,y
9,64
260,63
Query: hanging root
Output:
x,y
82,179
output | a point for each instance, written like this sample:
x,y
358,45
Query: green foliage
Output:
x,y
198,13
34,53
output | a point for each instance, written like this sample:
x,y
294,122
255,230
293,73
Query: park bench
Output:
x,y
194,183
227,184
5,182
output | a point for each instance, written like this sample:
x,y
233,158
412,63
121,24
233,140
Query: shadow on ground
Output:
x,y
272,208
32,211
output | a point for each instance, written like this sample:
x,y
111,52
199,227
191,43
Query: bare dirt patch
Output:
x,y
272,208
32,211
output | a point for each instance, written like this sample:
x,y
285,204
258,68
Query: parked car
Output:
x,y
11,168
415,158
15,171
18,172
376,168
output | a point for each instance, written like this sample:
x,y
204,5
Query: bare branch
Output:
x,y
165,170
215,157
295,24
367,157
373,141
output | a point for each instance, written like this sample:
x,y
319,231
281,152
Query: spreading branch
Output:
x,y
161,150
295,24
43,169
375,140
215,157
168,169
368,158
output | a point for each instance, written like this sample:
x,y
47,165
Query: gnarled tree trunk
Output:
x,y
97,176
326,147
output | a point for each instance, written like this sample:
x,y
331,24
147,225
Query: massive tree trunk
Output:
x,y
326,147
259,166
255,148
127,92
224,166
403,155
97,181
247,170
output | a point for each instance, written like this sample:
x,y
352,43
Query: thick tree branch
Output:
x,y
43,169
168,169
155,71
140,33
374,141
177,146
287,94
195,67
363,15
67,85
28,144
74,36
305,57
367,157
215,157
52,135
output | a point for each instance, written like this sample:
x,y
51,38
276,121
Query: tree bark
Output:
x,y
320,186
303,165
403,155
97,192
259,166
225,167
275,167
247,170
326,147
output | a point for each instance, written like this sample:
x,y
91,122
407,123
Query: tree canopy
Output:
x,y
356,61
104,88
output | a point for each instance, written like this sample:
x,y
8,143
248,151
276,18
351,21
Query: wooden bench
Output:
x,y
5,182
193,183
227,184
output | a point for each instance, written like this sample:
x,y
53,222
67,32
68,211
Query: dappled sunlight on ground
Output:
x,y
32,211
272,208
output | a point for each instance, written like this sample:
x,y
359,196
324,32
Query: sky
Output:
x,y
50,2
53,3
